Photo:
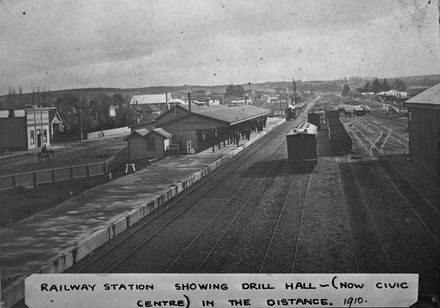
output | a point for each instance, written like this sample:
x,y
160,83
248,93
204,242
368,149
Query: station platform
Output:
x,y
55,239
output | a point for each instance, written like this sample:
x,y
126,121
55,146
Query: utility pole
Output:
x,y
81,124
281,108
294,91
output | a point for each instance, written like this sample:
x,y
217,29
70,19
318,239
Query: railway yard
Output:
x,y
372,211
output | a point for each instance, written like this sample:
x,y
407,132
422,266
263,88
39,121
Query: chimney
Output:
x,y
166,100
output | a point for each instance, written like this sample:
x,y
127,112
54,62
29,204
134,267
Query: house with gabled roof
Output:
x,y
148,143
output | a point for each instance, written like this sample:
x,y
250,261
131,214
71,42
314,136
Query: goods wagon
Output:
x,y
315,118
302,146
340,140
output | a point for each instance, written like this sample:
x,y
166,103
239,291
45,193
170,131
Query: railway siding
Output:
x,y
324,240
405,223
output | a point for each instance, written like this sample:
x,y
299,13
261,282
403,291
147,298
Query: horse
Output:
x,y
45,154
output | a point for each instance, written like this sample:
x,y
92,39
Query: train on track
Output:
x,y
340,140
318,119
293,111
302,146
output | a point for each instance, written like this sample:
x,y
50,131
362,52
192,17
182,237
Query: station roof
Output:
x,y
430,96
227,115
233,115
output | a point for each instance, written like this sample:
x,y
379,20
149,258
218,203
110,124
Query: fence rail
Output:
x,y
54,175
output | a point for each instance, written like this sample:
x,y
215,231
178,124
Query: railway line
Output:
x,y
257,215
149,229
411,217
402,183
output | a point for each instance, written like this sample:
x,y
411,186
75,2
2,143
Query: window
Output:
x,y
151,145
44,135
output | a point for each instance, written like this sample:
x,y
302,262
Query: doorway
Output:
x,y
39,138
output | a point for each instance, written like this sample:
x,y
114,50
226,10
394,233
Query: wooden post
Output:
x,y
71,173
14,181
88,171
54,180
35,179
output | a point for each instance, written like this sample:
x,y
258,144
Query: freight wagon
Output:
x,y
302,146
340,140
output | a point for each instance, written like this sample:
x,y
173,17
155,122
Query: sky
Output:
x,y
57,44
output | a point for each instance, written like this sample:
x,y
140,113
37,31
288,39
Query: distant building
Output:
x,y
148,107
424,128
241,102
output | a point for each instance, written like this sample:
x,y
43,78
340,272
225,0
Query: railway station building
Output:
x,y
424,129
195,128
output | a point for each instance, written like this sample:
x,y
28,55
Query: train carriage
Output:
x,y
302,146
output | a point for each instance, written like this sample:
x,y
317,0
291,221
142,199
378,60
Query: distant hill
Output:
x,y
269,86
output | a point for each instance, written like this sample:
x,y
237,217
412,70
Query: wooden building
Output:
x,y
147,107
13,130
25,129
148,144
38,127
195,128
424,128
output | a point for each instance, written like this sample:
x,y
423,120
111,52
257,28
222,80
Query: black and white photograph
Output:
x,y
220,137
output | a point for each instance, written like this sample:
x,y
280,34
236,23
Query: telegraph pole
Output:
x,y
81,124
294,91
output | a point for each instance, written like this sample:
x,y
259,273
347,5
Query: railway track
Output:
x,y
425,210
369,219
151,227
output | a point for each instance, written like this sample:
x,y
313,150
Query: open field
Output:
x,y
72,154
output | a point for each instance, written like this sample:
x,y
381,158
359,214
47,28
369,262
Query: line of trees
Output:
x,y
98,112
376,86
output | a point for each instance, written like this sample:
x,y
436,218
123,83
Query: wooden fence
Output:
x,y
44,176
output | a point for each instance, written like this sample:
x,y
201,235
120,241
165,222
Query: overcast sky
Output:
x,y
121,43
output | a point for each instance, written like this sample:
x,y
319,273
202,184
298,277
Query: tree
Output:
x,y
399,85
368,87
385,86
377,87
234,91
345,90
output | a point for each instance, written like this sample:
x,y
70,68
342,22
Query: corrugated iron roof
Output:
x,y
150,99
232,115
430,96
162,132
229,115
141,132
144,132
